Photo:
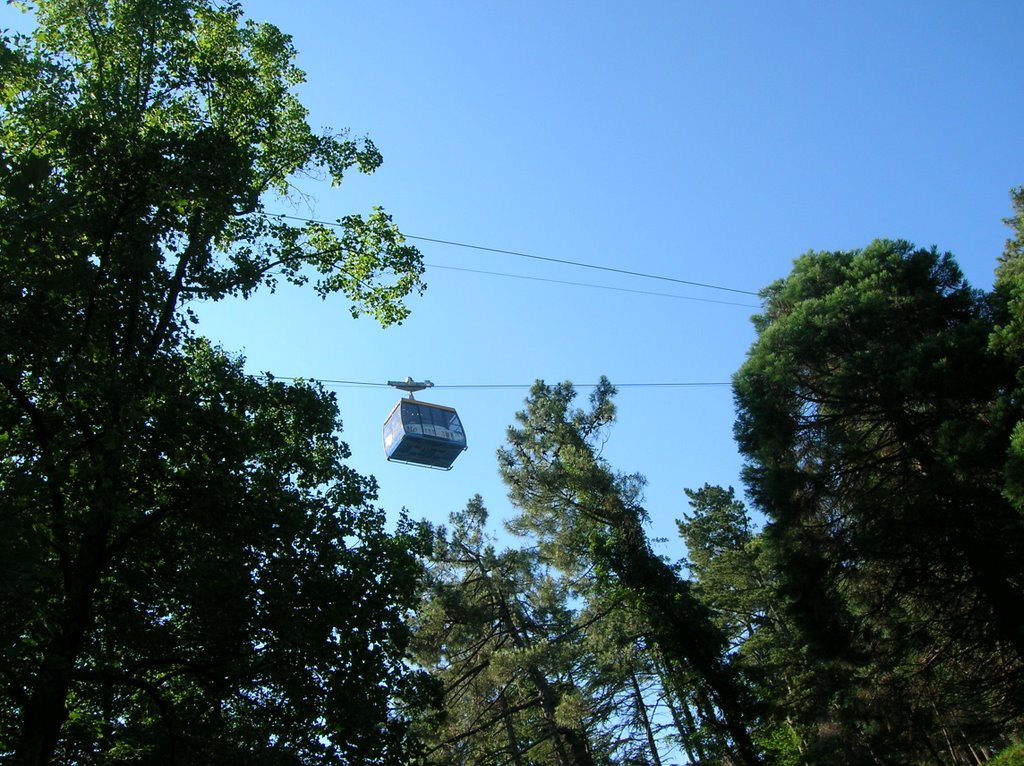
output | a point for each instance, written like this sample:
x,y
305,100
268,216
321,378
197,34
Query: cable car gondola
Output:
x,y
421,433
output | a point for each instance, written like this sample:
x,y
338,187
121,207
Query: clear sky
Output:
x,y
705,141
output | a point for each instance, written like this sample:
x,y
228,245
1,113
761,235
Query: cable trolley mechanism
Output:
x,y
420,433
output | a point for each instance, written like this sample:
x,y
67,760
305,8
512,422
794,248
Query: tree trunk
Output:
x,y
46,711
510,731
686,728
641,709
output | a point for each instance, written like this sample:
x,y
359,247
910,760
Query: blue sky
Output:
x,y
712,142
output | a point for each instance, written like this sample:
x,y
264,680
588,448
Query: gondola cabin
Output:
x,y
423,434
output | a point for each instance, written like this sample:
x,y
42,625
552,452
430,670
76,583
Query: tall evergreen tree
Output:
x,y
587,518
865,415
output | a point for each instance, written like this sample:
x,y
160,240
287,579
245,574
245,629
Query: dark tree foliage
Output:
x,y
867,415
188,572
1007,341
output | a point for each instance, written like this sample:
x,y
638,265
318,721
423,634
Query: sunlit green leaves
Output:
x,y
182,114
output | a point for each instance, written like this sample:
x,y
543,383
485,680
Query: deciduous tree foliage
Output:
x,y
872,415
188,572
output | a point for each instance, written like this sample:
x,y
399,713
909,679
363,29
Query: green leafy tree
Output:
x,y
189,572
865,413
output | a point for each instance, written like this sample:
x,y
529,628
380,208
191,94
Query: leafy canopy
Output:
x,y
188,571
